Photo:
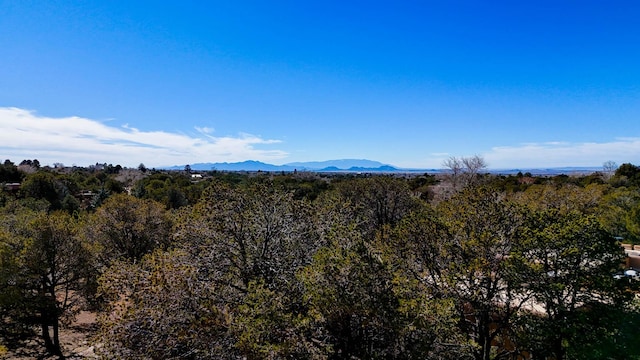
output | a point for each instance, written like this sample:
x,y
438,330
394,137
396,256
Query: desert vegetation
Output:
x,y
462,265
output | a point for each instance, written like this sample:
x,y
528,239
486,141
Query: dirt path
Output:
x,y
74,339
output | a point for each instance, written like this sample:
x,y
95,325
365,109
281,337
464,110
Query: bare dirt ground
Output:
x,y
75,341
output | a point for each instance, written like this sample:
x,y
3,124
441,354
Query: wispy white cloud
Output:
x,y
25,134
75,140
205,130
551,154
562,154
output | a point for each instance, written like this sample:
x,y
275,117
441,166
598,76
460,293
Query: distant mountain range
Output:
x,y
343,165
363,165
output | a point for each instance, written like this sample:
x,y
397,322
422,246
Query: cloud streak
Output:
x,y
553,154
75,140
81,141
564,154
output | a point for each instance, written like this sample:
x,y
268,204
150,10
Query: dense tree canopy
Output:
x,y
568,262
9,172
317,266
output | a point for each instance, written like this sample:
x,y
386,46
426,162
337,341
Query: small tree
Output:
x,y
9,172
628,173
43,185
464,171
380,202
51,269
454,166
126,227
608,169
473,165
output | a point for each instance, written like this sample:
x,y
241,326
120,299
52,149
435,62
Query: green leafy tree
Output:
x,y
276,323
258,233
627,174
18,319
363,296
98,199
565,198
378,202
175,198
163,308
423,186
70,204
632,224
50,267
616,213
174,190
570,261
10,294
126,227
350,291
304,185
255,240
203,299
9,173
43,185
419,248
473,266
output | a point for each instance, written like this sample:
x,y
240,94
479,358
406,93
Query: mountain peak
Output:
x,y
360,165
341,164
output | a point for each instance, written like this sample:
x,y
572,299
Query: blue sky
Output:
x,y
408,83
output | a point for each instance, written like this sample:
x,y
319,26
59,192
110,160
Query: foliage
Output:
x,y
422,185
350,293
514,183
376,202
569,265
125,227
564,198
235,247
308,266
473,265
255,233
47,267
9,173
162,308
627,174
303,186
10,294
618,213
274,324
43,185
174,190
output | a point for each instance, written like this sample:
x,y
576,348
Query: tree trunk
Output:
x,y
49,317
48,344
485,338
52,345
558,349
56,338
